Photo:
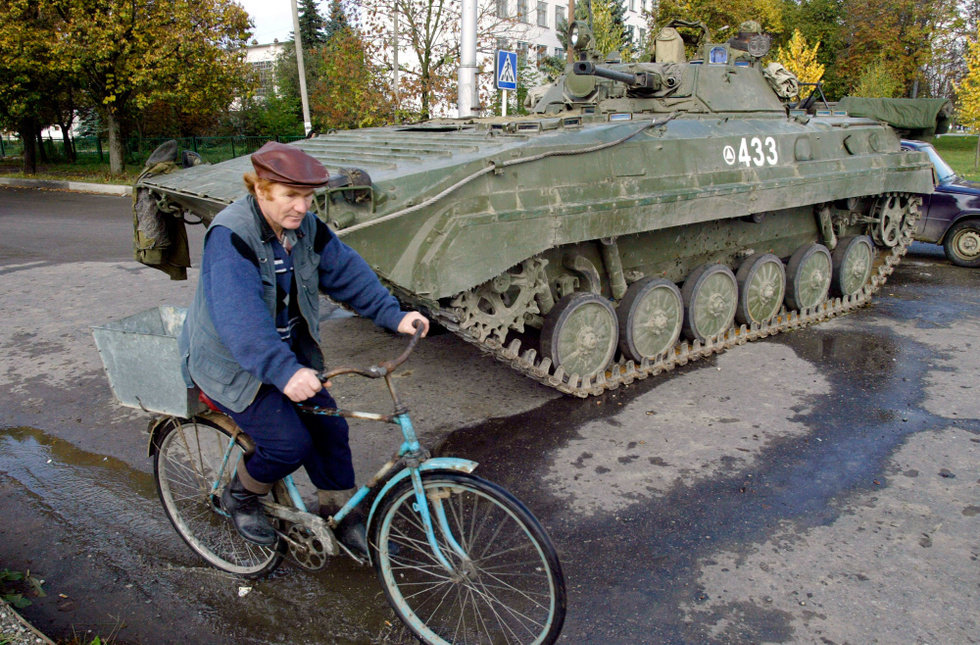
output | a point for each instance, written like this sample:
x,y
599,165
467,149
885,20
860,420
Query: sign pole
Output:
x,y
503,103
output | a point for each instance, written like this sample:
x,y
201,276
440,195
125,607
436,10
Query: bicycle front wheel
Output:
x,y
505,587
186,466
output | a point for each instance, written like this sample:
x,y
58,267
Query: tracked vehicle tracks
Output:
x,y
624,372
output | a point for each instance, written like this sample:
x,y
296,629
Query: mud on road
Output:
x,y
818,486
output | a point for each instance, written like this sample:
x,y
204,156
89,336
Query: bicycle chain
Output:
x,y
624,372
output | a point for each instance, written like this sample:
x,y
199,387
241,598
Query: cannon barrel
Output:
x,y
648,80
588,68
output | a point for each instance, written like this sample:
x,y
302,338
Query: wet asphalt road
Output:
x,y
821,486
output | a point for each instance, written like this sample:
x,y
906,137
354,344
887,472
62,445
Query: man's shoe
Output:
x,y
352,533
246,513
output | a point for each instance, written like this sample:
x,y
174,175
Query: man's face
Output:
x,y
284,207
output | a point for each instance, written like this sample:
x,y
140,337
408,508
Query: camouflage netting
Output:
x,y
914,117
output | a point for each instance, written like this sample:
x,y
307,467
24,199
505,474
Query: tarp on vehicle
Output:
x,y
922,117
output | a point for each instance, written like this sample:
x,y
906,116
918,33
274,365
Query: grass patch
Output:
x,y
960,153
91,172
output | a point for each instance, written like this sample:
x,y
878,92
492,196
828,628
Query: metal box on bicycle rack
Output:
x,y
142,361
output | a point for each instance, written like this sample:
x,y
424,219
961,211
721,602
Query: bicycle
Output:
x,y
460,559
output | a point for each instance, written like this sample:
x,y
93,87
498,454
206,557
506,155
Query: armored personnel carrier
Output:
x,y
641,216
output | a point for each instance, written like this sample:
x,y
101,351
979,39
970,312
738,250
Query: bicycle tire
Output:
x,y
185,466
513,591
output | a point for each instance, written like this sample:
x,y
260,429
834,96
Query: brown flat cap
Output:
x,y
288,165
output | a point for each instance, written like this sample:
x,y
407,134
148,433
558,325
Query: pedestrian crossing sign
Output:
x,y
506,72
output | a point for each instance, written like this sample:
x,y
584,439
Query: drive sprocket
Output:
x,y
502,303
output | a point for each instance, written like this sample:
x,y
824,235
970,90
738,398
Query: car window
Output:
x,y
943,171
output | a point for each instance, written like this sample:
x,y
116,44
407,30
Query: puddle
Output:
x,y
93,527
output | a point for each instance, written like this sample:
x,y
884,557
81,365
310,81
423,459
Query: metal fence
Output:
x,y
212,149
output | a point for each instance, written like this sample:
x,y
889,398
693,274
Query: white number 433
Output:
x,y
754,151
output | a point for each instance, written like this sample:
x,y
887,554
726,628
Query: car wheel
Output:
x,y
962,243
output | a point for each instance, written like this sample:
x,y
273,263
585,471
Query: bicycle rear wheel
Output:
x,y
185,467
509,587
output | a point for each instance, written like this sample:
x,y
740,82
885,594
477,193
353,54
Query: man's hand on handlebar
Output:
x,y
407,326
303,384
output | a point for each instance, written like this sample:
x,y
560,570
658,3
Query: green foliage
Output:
x,y
818,21
877,81
337,21
968,90
312,25
276,114
899,32
609,28
123,57
717,15
14,584
349,92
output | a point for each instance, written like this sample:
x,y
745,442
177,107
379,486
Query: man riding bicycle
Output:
x,y
251,338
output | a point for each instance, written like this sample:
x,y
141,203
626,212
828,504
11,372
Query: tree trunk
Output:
x,y
117,157
30,152
67,142
42,154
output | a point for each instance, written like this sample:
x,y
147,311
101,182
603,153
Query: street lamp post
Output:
x,y
298,44
467,58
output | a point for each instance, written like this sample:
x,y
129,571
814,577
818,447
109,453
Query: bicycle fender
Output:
x,y
436,463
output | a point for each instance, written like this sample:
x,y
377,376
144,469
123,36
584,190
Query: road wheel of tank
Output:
x,y
710,297
853,261
651,316
809,271
889,213
761,287
962,243
580,334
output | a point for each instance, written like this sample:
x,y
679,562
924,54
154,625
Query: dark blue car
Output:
x,y
951,215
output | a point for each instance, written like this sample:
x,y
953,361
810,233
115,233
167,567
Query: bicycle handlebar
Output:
x,y
381,369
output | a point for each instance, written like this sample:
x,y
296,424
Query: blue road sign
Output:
x,y
506,72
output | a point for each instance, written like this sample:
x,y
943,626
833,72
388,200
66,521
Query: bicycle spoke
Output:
x,y
189,465
503,591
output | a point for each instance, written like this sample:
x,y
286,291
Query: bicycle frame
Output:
x,y
411,460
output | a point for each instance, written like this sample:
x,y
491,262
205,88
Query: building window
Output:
x,y
561,13
542,14
630,34
559,53
265,71
522,11
502,44
632,5
643,37
542,53
501,8
521,53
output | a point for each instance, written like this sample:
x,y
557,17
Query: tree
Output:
x,y
337,20
819,21
128,55
609,28
30,75
801,59
427,42
892,38
968,90
877,81
312,26
718,15
350,91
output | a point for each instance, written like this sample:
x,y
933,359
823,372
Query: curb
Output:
x,y
74,186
